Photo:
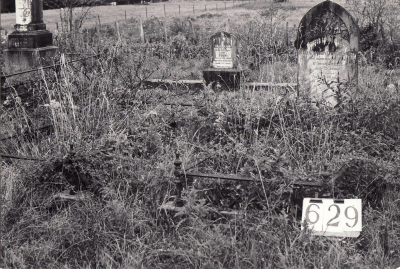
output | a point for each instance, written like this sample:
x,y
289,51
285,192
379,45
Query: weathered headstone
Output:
x,y
224,70
30,45
327,43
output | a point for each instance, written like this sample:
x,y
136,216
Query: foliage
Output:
x,y
124,134
378,22
7,6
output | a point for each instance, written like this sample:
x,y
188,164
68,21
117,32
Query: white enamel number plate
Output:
x,y
333,217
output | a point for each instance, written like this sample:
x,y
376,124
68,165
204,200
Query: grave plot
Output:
x,y
359,181
327,43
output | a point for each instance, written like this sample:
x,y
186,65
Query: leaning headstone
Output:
x,y
224,71
30,45
327,43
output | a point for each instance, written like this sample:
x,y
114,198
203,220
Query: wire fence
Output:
x,y
165,13
95,30
152,30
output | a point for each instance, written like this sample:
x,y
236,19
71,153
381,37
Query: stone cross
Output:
x,y
327,43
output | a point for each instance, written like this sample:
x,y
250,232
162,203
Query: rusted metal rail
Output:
x,y
47,128
192,84
21,157
297,187
216,176
46,67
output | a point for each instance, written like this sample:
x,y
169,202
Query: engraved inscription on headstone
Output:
x,y
23,12
223,72
327,43
223,50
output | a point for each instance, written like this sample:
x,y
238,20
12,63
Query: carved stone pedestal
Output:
x,y
30,45
23,59
30,39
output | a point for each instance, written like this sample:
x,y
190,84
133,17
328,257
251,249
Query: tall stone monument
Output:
x,y
30,45
224,71
327,44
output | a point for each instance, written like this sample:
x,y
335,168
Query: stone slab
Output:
x,y
23,59
172,84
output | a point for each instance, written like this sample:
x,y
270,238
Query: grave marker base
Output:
x,y
224,78
22,59
30,39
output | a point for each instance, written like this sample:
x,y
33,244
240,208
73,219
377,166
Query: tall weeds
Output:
x,y
114,140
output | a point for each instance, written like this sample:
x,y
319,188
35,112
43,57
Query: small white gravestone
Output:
x,y
224,72
222,47
332,217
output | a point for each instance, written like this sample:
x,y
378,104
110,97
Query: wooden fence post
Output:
x,y
193,9
165,30
70,19
287,34
117,27
62,21
141,30
125,17
98,32
87,37
179,9
205,7
165,13
146,13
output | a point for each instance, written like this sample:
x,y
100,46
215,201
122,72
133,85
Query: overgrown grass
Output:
x,y
124,141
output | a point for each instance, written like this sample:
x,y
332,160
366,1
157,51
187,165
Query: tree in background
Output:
x,y
7,6
380,16
379,22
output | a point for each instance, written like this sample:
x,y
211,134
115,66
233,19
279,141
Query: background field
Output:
x,y
110,14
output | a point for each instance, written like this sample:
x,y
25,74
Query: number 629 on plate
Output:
x,y
332,217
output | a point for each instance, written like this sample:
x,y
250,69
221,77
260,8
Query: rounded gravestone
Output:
x,y
327,43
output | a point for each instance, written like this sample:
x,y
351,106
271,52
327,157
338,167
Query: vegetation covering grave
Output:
x,y
125,134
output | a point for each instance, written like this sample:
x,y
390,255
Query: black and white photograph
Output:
x,y
204,134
